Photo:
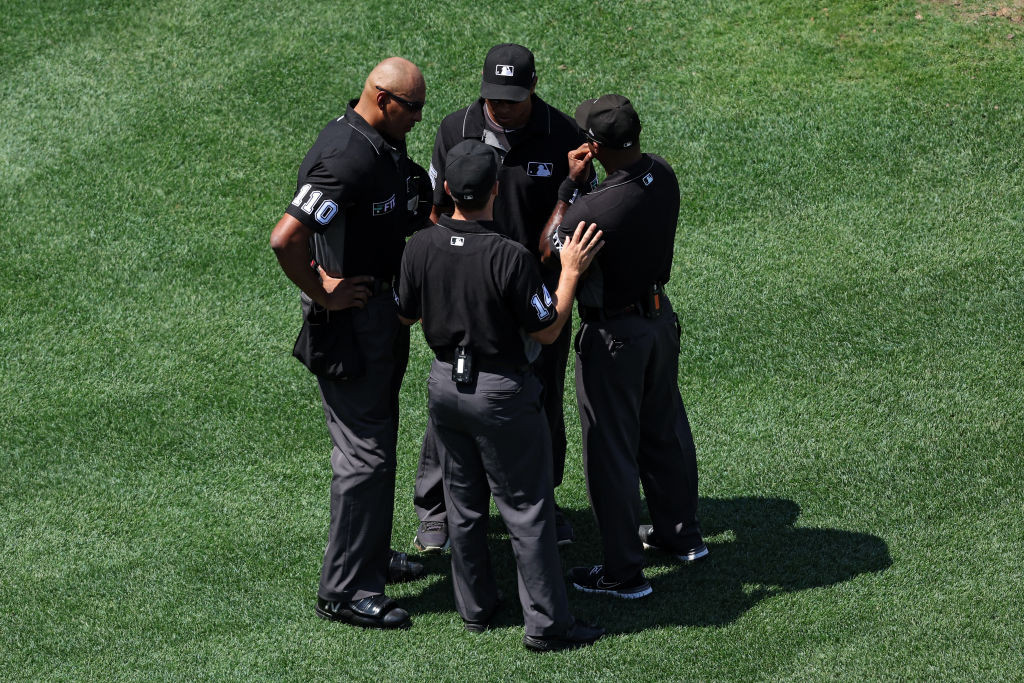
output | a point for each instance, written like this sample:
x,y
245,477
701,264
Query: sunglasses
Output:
x,y
408,104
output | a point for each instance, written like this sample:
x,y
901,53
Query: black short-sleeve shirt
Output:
x,y
637,207
530,172
354,191
473,287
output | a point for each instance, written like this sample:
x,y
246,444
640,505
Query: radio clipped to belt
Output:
x,y
462,365
652,307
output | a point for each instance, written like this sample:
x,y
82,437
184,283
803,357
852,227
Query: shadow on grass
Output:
x,y
756,553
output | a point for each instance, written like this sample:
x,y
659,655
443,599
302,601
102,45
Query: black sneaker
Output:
x,y
401,568
578,635
651,542
593,580
431,537
563,528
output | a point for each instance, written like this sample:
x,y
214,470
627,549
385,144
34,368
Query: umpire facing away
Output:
x,y
635,429
353,207
485,312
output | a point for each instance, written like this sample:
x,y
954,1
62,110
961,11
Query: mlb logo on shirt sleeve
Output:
x,y
541,169
648,179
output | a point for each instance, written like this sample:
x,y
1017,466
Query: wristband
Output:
x,y
568,190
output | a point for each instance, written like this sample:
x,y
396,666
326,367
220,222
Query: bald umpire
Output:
x,y
340,241
532,139
485,312
635,429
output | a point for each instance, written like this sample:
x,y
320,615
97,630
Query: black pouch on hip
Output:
x,y
462,366
326,344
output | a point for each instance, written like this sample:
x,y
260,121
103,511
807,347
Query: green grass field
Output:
x,y
848,271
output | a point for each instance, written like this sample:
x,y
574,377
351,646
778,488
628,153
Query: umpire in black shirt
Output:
x,y
351,212
532,139
485,312
635,429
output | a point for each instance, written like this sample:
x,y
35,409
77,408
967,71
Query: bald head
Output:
x,y
393,97
398,75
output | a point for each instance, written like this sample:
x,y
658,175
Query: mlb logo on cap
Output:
x,y
508,73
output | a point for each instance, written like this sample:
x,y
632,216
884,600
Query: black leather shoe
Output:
x,y
401,568
376,611
481,625
578,635
477,626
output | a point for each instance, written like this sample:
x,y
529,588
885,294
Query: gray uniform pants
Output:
x,y
635,430
361,420
428,498
493,440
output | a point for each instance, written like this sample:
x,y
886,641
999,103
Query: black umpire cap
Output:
x,y
471,170
508,73
609,120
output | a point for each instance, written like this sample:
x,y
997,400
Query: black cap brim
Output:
x,y
495,91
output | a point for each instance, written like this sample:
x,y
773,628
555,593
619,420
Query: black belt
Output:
x,y
651,308
487,363
592,314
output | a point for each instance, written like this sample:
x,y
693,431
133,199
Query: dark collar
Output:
x,y
539,123
627,173
480,227
379,142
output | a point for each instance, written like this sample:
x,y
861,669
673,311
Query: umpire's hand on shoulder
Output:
x,y
578,251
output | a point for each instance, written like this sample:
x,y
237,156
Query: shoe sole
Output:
x,y
349,617
634,594
689,557
430,549
564,541
693,555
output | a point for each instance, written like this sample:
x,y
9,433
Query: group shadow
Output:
x,y
757,552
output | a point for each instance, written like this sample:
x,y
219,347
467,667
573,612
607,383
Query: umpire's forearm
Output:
x,y
290,242
564,295
548,254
